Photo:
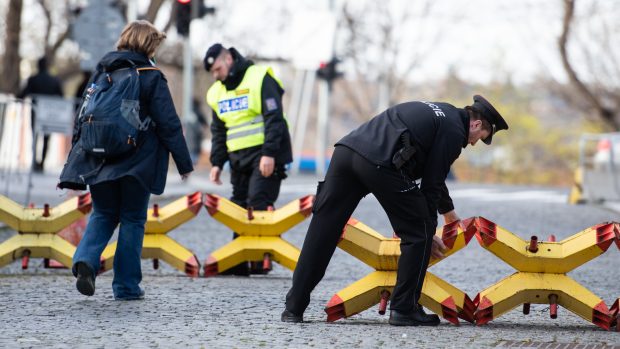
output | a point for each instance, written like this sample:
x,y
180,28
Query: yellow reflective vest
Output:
x,y
241,109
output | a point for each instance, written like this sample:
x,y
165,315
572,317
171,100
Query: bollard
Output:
x,y
46,210
533,244
267,264
526,308
25,259
385,296
155,210
553,306
250,213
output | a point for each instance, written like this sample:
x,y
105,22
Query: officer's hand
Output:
x,y
266,165
214,176
450,217
185,176
438,247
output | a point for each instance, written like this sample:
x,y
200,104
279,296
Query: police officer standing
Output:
x,y
248,130
410,141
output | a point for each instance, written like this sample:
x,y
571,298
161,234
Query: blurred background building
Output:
x,y
550,66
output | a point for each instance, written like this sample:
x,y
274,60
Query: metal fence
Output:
x,y
599,160
54,116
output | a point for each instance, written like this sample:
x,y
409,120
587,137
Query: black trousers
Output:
x,y
46,138
349,178
251,189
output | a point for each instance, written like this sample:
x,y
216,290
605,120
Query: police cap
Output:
x,y
482,106
211,55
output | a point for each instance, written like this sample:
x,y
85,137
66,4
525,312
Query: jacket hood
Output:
x,y
121,59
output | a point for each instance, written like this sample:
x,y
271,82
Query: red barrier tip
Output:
x,y
192,266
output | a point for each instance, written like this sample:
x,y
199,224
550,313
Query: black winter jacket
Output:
x,y
149,163
277,137
438,130
42,83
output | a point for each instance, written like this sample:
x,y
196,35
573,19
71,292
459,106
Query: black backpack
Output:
x,y
109,117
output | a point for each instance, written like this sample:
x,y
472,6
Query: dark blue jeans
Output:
x,y
122,201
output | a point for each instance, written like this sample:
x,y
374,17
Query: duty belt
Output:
x,y
404,154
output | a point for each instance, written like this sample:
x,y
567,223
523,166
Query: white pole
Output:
x,y
322,124
293,110
187,80
322,127
300,130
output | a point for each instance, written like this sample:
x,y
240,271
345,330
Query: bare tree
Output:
x,y
51,47
153,10
376,37
10,60
601,91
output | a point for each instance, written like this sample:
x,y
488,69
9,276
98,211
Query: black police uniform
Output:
x,y
362,163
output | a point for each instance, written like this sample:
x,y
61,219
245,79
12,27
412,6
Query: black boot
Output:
x,y
241,269
85,279
417,317
288,316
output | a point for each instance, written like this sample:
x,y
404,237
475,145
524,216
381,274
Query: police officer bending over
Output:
x,y
410,141
248,129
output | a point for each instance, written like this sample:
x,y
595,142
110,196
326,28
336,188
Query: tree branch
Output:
x,y
606,114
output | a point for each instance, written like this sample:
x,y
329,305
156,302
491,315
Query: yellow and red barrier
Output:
x,y
37,230
541,272
259,233
382,254
157,244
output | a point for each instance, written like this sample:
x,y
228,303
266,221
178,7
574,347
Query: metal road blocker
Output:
x,y
259,233
615,315
382,254
157,244
541,272
37,229
576,191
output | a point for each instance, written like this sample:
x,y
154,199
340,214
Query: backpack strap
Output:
x,y
146,68
144,125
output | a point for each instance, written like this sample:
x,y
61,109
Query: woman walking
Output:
x,y
120,186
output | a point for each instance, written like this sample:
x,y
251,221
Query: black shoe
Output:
x,y
417,317
85,279
241,269
288,316
38,168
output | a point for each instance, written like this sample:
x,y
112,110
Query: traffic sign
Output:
x,y
96,30
53,114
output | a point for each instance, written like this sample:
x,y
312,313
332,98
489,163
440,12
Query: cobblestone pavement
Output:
x,y
40,308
